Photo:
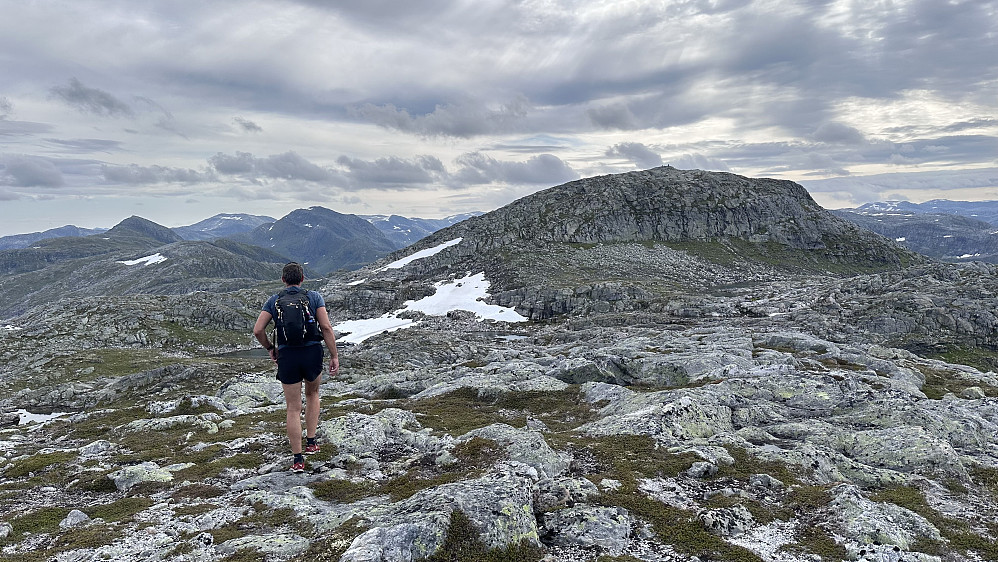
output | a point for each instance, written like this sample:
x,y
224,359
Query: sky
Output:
x,y
176,111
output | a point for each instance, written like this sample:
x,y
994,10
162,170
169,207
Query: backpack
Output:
x,y
294,323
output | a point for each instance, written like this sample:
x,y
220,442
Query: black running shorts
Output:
x,y
295,364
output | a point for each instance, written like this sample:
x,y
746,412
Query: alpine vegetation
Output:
x,y
666,365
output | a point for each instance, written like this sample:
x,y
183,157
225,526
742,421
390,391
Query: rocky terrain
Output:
x,y
759,390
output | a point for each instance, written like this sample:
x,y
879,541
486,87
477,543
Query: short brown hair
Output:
x,y
293,274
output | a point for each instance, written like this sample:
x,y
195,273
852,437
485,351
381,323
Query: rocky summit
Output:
x,y
699,380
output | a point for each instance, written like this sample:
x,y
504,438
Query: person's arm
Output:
x,y
329,337
260,331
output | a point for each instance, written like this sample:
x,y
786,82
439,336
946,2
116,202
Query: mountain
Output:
x,y
937,235
143,228
221,226
322,239
404,231
640,239
137,256
18,241
986,211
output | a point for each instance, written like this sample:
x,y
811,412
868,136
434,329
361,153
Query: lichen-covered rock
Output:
x,y
608,528
553,493
75,518
280,546
525,446
129,476
867,522
246,393
727,521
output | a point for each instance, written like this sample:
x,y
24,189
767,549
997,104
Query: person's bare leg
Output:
x,y
312,406
292,398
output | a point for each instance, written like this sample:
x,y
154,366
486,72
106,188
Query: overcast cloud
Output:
x,y
177,111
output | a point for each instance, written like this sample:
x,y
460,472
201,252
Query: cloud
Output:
x,y
6,195
832,132
698,162
6,108
613,116
247,125
145,175
26,171
92,100
464,119
875,187
286,166
479,168
642,156
86,145
393,172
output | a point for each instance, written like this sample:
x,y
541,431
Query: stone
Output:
x,y
727,521
973,393
867,522
586,526
281,545
129,476
75,518
701,470
525,446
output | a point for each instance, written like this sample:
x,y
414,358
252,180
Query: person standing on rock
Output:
x,y
301,324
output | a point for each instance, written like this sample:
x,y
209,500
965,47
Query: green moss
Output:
x,y
261,520
120,510
940,381
677,527
94,481
331,546
812,539
87,537
341,491
632,457
463,544
747,464
960,534
986,477
204,470
37,463
194,510
478,452
42,520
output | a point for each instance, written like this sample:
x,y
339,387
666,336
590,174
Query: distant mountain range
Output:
x,y
941,229
223,252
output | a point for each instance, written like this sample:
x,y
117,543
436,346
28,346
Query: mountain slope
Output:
x,y
986,211
321,238
222,225
941,236
404,231
641,239
18,241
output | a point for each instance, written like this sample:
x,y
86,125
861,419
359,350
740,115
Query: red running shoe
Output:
x,y
298,467
311,449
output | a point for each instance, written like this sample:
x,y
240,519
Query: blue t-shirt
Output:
x,y
315,302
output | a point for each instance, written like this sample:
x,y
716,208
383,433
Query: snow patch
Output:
x,y
467,293
967,256
358,282
148,260
421,254
25,417
901,239
10,328
308,225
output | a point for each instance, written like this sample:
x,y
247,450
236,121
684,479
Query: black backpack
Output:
x,y
295,323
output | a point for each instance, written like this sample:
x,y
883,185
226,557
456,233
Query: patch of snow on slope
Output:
x,y
421,254
467,293
148,260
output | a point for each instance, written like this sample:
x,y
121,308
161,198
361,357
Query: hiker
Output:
x,y
301,324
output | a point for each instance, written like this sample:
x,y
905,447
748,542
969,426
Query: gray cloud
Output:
x,y
390,172
27,171
6,195
287,166
833,132
880,187
247,125
642,156
86,145
546,169
464,119
6,108
698,162
146,175
92,100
